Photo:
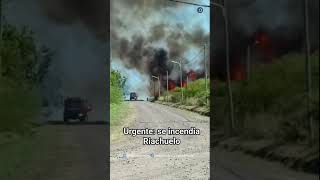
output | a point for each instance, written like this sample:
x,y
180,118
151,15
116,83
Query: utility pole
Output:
x,y
229,88
308,70
154,90
181,83
187,81
159,84
205,67
167,86
1,41
159,80
205,72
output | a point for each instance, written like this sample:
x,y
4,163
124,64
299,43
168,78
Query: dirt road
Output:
x,y
130,159
71,152
79,151
237,166
190,160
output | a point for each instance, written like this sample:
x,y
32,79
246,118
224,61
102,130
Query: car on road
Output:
x,y
133,96
76,108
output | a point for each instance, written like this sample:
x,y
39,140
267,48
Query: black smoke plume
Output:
x,y
76,31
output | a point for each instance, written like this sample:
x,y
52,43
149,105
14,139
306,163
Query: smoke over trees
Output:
x,y
145,37
271,28
77,32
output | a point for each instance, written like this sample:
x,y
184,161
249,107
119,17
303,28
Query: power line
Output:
x,y
194,4
199,53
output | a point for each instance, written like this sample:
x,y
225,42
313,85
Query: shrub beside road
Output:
x,y
23,68
196,98
271,113
119,109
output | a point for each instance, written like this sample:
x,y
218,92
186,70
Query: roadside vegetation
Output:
x,y
23,66
271,114
272,104
196,98
118,108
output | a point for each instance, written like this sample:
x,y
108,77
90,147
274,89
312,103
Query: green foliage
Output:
x,y
117,113
23,67
20,59
117,82
195,94
118,109
18,107
276,92
197,90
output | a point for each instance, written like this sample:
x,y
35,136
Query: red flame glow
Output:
x,y
264,44
238,72
172,85
192,75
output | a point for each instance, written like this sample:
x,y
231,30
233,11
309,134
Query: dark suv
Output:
x,y
76,108
133,96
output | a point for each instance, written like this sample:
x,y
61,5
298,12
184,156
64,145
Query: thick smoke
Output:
x,y
94,13
76,32
146,36
280,22
142,53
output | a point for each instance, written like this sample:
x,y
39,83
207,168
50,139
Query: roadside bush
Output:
x,y
23,68
276,91
195,94
117,82
18,107
175,95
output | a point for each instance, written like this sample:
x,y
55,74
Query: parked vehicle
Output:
x,y
76,108
133,96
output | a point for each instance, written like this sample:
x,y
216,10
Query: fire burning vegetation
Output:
x,y
269,30
157,37
147,44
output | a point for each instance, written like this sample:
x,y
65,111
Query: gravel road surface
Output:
x,y
130,159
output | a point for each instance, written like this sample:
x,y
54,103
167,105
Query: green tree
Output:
x,y
23,68
117,83
22,61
